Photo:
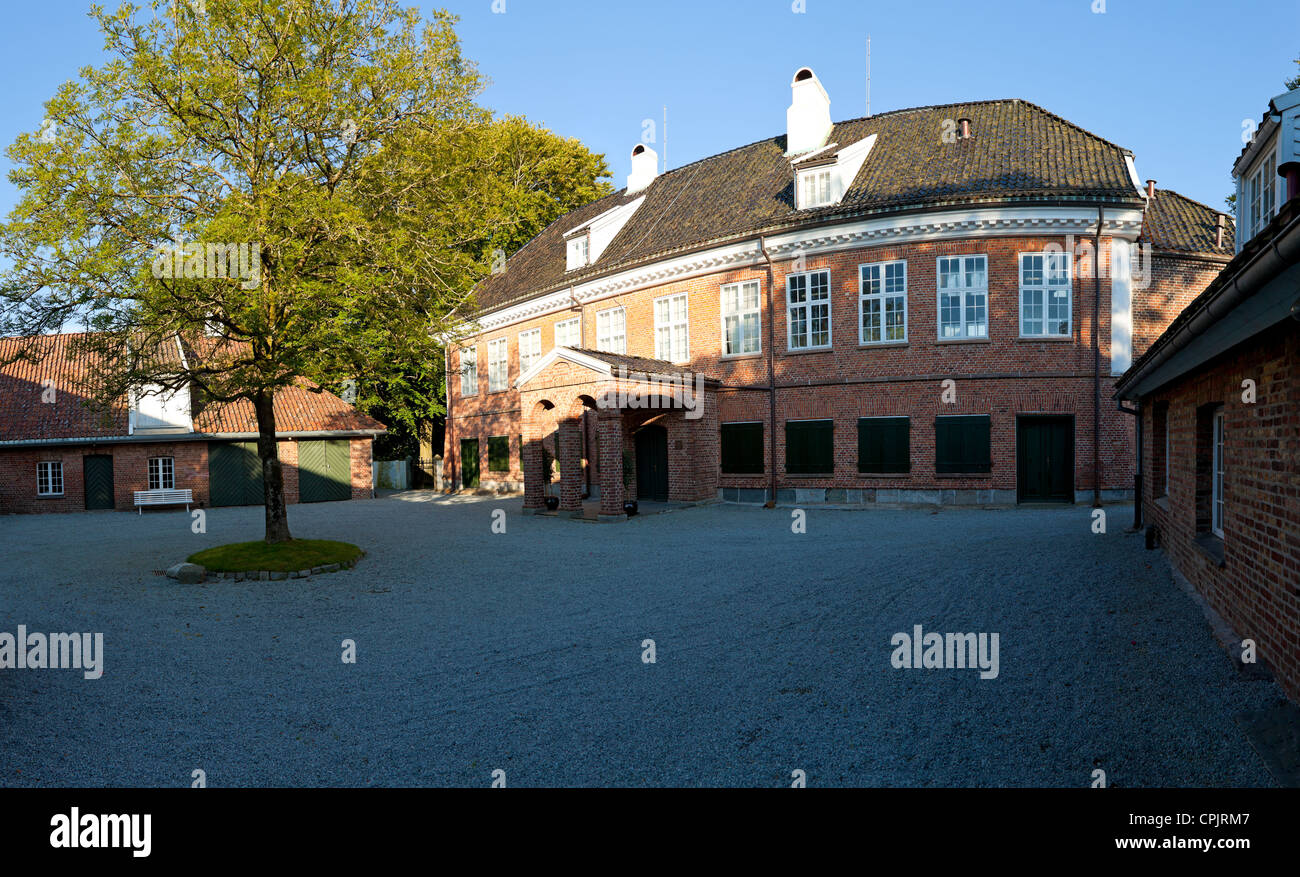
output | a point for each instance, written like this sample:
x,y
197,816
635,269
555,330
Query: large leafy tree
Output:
x,y
306,132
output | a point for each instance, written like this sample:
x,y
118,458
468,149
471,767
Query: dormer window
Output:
x,y
816,188
578,252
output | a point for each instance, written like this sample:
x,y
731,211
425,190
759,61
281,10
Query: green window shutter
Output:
x,y
961,444
499,453
809,447
884,445
742,448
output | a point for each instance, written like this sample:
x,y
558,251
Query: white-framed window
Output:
x,y
882,302
1261,195
578,252
530,349
808,298
611,330
672,329
49,479
963,284
498,365
1046,302
162,473
568,333
469,371
816,188
1216,484
742,321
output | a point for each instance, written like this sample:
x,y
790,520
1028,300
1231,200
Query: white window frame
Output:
x,y
732,307
816,187
606,336
1046,290
1216,477
575,322
50,473
498,365
806,306
469,371
880,297
1261,189
674,330
578,252
965,292
530,348
162,473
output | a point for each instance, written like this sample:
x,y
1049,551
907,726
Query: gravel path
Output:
x,y
522,652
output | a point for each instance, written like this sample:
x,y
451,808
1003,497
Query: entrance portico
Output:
x,y
612,422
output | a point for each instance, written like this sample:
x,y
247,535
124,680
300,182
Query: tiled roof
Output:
x,y
1019,151
1175,222
24,416
633,363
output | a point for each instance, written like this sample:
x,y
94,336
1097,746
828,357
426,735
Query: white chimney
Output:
x,y
808,121
645,167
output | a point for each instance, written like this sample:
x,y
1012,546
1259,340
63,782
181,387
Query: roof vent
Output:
x,y
1151,188
645,167
964,132
808,120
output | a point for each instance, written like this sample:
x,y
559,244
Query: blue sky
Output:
x,y
1172,81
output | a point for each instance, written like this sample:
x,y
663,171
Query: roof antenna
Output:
x,y
868,74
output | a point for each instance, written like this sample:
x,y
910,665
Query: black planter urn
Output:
x,y
629,508
552,503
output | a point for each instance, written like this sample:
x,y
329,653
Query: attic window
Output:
x,y
816,188
578,252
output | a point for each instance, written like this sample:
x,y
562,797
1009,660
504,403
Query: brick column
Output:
x,y
568,449
610,429
534,489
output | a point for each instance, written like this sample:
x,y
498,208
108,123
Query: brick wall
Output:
x,y
1256,585
1002,375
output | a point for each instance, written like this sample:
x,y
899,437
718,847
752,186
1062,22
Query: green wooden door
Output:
x,y
97,470
652,463
1045,459
234,474
469,463
324,471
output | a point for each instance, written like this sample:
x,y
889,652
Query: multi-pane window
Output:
x,y
611,331
1217,469
1045,301
530,348
578,252
568,333
469,371
809,298
882,303
498,365
815,189
671,329
162,473
49,479
963,297
742,448
1261,194
741,320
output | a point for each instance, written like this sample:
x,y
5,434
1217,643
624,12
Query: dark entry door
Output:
x,y
468,463
1045,459
98,472
324,471
235,474
652,464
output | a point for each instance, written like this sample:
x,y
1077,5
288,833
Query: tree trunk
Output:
x,y
277,516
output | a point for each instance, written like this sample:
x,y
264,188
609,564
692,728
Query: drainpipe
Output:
x,y
1136,411
1096,362
771,381
446,394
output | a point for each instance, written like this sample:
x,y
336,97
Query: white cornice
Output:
x,y
1123,223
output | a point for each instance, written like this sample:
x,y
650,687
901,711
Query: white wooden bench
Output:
x,y
163,497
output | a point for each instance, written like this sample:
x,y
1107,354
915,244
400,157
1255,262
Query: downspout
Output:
x,y
1096,362
446,394
1136,411
771,381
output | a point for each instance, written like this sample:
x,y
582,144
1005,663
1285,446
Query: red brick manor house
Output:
x,y
927,305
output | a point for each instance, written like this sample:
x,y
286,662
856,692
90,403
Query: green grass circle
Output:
x,y
288,556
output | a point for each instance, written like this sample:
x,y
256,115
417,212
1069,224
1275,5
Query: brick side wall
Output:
x,y
1257,588
1001,376
131,473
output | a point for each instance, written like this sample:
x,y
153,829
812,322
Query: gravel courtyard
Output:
x,y
522,651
